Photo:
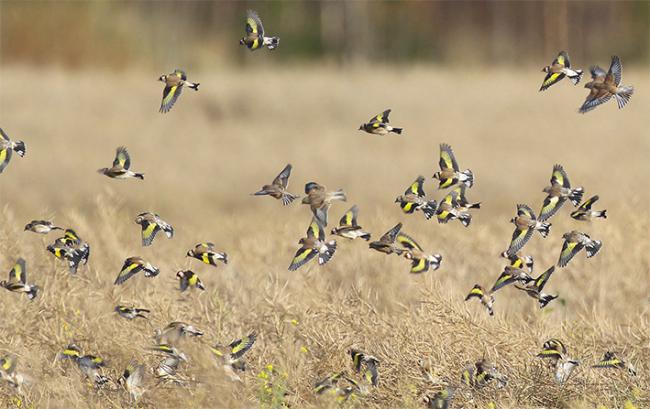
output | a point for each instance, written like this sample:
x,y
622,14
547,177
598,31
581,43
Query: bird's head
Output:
x,y
242,42
362,127
513,220
398,199
309,186
301,241
180,275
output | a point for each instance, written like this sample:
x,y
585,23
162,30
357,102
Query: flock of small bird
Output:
x,y
71,249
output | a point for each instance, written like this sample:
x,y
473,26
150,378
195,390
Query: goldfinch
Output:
x,y
327,383
420,261
461,199
448,209
255,38
584,212
188,279
511,275
378,125
41,226
18,281
131,313
553,350
7,147
90,365
525,224
313,245
132,266
486,298
320,200
518,260
441,400
74,252
121,165
174,83
278,188
610,360
132,380
174,331
449,173
230,357
10,374
413,200
366,365
559,68
152,224
349,227
206,253
604,85
558,192
386,243
574,241
534,288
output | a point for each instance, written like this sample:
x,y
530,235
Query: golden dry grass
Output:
x,y
218,145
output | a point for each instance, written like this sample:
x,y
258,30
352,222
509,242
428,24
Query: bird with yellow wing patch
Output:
x,y
414,200
174,83
449,173
313,245
559,68
121,166
420,261
349,226
379,125
255,38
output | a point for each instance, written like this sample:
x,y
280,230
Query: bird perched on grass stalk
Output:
x,y
174,84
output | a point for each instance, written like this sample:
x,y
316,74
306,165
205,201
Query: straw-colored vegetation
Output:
x,y
203,159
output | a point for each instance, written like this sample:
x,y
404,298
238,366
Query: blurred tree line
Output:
x,y
119,34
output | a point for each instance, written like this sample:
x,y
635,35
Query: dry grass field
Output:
x,y
204,158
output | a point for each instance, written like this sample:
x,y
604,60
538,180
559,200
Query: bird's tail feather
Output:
x,y
193,85
469,178
429,209
328,253
623,96
575,77
19,148
544,229
601,213
593,248
139,175
576,195
288,198
465,218
397,130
